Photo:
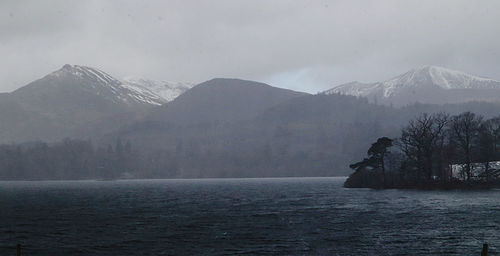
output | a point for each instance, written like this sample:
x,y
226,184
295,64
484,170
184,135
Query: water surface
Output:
x,y
293,216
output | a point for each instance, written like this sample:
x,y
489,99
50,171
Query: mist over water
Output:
x,y
293,216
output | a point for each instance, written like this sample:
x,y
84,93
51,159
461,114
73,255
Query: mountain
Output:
x,y
222,100
428,84
60,103
78,101
92,81
167,91
74,79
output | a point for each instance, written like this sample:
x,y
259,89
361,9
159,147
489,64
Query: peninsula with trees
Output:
x,y
434,151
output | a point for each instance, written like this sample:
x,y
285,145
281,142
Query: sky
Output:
x,y
301,45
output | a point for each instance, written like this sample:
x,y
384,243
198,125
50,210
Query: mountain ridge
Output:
x,y
426,84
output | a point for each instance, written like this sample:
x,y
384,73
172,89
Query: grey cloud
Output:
x,y
304,45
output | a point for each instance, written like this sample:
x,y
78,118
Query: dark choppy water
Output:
x,y
309,216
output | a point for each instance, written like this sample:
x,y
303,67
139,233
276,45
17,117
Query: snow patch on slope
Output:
x,y
167,91
353,88
452,79
129,91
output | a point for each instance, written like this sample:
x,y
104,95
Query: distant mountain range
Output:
x,y
428,84
231,127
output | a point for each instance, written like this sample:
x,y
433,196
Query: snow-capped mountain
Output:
x,y
128,91
74,101
166,91
428,84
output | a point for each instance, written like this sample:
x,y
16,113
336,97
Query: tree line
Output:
x,y
434,149
423,153
68,159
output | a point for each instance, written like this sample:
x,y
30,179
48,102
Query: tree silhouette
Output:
x,y
376,154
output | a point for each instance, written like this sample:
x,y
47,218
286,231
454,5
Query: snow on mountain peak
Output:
x,y
129,91
87,72
425,76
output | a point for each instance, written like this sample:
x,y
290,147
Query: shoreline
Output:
x,y
471,185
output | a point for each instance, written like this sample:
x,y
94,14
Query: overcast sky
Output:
x,y
302,45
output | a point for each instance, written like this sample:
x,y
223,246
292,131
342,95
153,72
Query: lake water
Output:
x,y
295,216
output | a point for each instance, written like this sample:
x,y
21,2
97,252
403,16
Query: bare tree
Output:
x,y
422,142
489,138
464,130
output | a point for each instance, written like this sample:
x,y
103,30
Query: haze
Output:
x,y
302,45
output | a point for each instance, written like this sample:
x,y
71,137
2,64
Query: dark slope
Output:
x,y
317,109
222,100
301,136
